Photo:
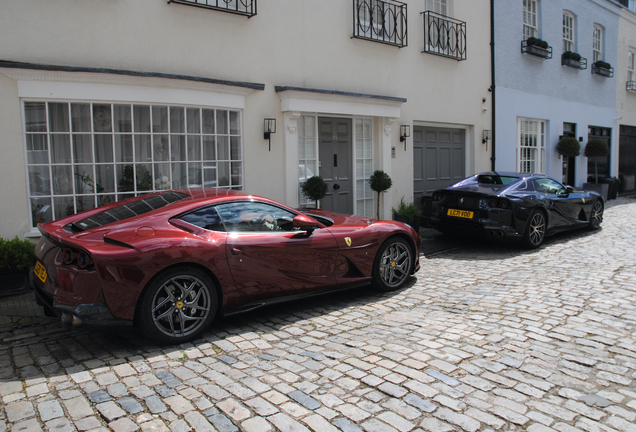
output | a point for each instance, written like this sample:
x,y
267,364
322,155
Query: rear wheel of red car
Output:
x,y
393,264
535,230
596,216
178,305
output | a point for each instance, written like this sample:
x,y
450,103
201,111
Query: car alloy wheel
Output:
x,y
535,231
178,305
596,215
392,265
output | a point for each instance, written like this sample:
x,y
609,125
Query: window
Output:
x,y
307,153
531,151
364,166
437,6
255,217
597,44
85,154
630,65
380,21
549,186
568,32
530,24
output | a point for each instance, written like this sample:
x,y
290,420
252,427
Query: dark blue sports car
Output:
x,y
513,207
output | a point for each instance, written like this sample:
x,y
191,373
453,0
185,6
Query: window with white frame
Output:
x,y
530,20
531,150
630,65
364,166
597,44
85,154
307,152
437,6
568,32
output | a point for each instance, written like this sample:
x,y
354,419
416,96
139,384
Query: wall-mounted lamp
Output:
x,y
269,129
405,132
486,138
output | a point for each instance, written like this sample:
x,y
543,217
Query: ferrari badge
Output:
x,y
348,241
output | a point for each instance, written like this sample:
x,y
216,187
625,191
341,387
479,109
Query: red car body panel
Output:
x,y
247,267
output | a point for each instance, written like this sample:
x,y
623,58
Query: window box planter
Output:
x,y
536,50
603,69
631,86
580,64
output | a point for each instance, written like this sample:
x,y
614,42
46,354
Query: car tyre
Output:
x,y
178,305
392,265
596,215
535,230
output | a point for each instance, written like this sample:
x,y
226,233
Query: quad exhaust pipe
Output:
x,y
71,320
496,233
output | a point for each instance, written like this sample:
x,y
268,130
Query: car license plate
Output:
x,y
40,271
460,213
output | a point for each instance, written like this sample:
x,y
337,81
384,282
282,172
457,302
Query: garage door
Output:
x,y
439,159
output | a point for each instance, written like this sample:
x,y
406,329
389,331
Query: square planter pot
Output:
x,y
14,282
538,51
602,188
413,222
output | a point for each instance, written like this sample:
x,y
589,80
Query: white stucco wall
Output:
x,y
625,100
289,43
528,86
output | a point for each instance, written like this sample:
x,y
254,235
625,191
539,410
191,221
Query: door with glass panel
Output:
x,y
335,142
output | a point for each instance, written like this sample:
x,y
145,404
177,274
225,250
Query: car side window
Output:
x,y
207,218
255,217
549,186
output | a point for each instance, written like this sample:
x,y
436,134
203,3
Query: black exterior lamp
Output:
x,y
269,129
405,132
486,138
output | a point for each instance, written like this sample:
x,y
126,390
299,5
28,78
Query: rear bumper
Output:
x,y
487,229
89,314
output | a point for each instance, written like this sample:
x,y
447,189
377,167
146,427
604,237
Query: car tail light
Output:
x,y
437,196
492,203
68,256
504,204
84,260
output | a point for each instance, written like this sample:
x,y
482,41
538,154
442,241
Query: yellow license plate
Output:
x,y
40,271
460,213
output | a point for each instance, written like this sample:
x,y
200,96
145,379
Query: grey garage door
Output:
x,y
439,159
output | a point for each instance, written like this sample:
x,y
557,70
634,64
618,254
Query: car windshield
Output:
x,y
128,210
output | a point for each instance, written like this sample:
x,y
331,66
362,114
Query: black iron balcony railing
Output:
x,y
444,36
381,21
536,50
631,86
241,7
602,71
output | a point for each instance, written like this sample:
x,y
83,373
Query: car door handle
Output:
x,y
236,251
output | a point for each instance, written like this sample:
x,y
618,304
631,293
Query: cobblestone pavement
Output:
x,y
487,337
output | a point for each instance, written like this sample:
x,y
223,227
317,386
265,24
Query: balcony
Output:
x,y
545,51
573,60
240,7
444,36
381,21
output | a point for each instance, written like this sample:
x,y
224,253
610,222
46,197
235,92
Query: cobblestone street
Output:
x,y
486,337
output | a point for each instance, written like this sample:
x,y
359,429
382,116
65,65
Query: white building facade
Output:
x,y
542,95
100,101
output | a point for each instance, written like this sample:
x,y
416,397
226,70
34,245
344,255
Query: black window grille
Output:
x,y
240,7
444,36
381,21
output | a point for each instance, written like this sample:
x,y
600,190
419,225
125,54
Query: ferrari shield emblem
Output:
x,y
348,241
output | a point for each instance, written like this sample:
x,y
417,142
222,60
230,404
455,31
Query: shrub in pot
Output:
x,y
315,188
596,148
533,41
16,260
568,147
572,56
408,213
379,182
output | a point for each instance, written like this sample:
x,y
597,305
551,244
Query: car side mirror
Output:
x,y
569,189
305,223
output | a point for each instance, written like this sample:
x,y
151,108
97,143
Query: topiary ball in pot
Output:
x,y
596,148
379,182
315,188
569,147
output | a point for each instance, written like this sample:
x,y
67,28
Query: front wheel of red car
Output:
x,y
392,265
178,305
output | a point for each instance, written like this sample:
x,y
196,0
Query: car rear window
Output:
x,y
128,210
496,179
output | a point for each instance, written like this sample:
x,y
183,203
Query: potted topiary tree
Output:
x,y
380,182
568,147
16,262
596,148
315,189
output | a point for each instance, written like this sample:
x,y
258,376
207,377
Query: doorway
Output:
x,y
335,152
569,163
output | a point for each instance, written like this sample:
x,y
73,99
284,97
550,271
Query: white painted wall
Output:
x,y
303,43
625,100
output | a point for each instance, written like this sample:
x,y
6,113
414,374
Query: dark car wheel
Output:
x,y
392,265
535,230
178,305
596,215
